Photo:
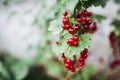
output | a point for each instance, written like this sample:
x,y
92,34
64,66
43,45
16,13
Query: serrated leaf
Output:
x,y
71,4
20,70
55,27
95,3
98,17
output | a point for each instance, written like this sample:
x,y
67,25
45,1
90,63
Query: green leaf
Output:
x,y
86,72
3,71
118,11
117,1
20,70
101,77
55,27
95,3
98,17
71,5
116,23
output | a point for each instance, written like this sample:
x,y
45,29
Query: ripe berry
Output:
x,y
89,22
84,56
71,31
65,13
79,20
89,14
84,19
75,43
86,27
65,21
67,26
76,38
77,28
64,27
80,59
85,50
57,42
70,41
81,63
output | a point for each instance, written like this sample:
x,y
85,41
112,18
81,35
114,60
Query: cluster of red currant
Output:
x,y
81,22
83,57
70,64
73,41
80,25
115,63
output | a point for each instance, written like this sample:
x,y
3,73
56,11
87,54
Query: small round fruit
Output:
x,y
65,21
65,13
84,19
75,43
79,20
70,41
71,31
77,28
76,38
67,26
86,27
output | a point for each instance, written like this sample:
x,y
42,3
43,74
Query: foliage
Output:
x,y
116,24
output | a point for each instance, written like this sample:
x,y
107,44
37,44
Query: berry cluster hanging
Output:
x,y
81,25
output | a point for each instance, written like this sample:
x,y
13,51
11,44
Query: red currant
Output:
x,y
67,26
71,31
75,43
79,20
65,13
65,21
84,19
76,38
77,28
70,41
89,14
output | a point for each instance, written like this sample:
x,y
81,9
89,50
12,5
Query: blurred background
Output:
x,y
26,44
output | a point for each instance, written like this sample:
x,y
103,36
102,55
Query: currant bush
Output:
x,y
81,25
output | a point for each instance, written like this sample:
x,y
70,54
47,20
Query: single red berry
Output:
x,y
67,26
64,27
65,13
75,43
72,62
76,38
73,70
70,41
85,13
67,65
81,63
89,14
86,27
65,21
79,20
84,19
89,22
77,28
85,50
57,42
80,59
78,15
84,56
93,28
71,31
